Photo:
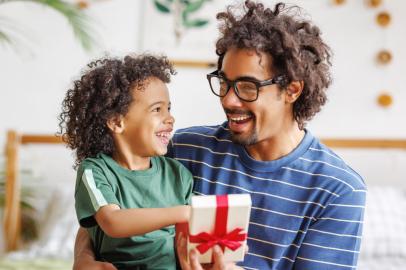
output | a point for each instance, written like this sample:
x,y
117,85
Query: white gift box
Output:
x,y
233,219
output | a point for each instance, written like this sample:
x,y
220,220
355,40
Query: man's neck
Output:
x,y
278,146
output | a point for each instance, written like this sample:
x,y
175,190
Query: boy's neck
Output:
x,y
132,162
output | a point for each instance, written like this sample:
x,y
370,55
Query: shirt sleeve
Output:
x,y
187,182
93,191
333,240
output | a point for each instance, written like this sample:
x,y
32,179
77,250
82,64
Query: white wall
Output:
x,y
355,38
35,79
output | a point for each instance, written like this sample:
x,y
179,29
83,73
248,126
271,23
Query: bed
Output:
x,y
383,246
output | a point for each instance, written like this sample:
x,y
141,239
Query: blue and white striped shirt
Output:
x,y
307,207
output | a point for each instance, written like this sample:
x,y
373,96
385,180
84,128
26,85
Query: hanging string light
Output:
x,y
383,56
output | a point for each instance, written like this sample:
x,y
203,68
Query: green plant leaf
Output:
x,y
77,19
4,38
28,209
195,23
194,6
26,205
161,7
8,31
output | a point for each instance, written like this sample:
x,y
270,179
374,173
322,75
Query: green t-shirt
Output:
x,y
101,181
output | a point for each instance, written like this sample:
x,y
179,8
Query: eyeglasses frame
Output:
x,y
233,83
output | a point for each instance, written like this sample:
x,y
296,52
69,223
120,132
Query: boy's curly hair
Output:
x,y
297,50
105,91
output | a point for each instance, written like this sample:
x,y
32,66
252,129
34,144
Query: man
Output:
x,y
273,71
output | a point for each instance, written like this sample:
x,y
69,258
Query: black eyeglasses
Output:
x,y
246,89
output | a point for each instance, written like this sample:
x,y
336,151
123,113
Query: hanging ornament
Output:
x,y
82,4
338,2
374,3
383,18
384,57
385,100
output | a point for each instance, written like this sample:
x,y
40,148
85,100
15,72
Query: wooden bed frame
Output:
x,y
12,211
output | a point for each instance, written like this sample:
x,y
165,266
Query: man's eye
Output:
x,y
169,109
158,109
246,86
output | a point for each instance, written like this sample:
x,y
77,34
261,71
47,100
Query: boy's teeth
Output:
x,y
163,134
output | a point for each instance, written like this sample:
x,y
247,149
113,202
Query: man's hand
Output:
x,y
84,258
86,262
194,264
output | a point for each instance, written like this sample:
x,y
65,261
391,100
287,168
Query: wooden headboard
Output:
x,y
12,211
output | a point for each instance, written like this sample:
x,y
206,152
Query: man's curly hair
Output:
x,y
105,91
297,50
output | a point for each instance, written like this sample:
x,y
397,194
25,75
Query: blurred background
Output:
x,y
46,44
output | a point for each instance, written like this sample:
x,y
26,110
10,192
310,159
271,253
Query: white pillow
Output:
x,y
384,232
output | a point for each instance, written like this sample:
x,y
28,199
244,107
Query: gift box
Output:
x,y
219,220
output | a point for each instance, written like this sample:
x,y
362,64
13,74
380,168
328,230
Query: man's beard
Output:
x,y
251,139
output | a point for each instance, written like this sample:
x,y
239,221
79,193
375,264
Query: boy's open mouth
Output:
x,y
164,137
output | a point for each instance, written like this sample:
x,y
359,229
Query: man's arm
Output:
x,y
118,223
84,258
333,240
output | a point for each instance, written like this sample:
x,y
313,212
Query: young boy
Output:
x,y
117,118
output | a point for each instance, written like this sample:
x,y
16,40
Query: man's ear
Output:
x,y
293,91
116,124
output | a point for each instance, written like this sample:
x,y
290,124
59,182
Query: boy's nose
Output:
x,y
170,119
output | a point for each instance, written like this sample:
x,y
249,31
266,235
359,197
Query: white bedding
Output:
x,y
52,179
385,222
384,236
58,231
383,263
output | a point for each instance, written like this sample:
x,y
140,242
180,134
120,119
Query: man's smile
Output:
x,y
239,121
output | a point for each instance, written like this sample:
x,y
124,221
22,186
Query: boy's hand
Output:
x,y
194,264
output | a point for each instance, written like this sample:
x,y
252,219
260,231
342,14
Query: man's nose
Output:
x,y
231,98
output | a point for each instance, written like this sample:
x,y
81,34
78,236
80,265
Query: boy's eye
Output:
x,y
158,109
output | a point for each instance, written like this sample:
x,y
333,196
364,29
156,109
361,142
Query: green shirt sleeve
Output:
x,y
187,183
93,190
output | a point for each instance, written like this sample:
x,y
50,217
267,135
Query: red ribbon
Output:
x,y
220,236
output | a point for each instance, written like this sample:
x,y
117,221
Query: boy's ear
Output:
x,y
293,91
116,124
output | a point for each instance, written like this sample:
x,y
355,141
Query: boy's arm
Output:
x,y
96,203
84,258
118,223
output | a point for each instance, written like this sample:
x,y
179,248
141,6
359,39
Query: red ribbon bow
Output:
x,y
220,236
